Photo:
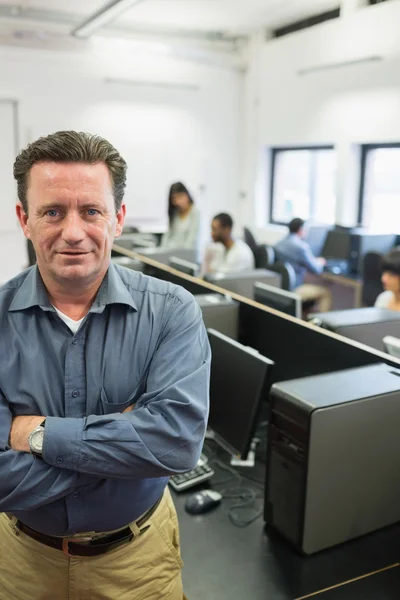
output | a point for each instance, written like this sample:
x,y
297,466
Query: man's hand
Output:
x,y
321,261
20,429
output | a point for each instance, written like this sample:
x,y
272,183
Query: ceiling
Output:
x,y
227,18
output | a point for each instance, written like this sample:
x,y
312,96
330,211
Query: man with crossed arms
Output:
x,y
104,378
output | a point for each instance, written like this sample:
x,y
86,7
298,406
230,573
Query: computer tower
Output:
x,y
366,325
220,313
362,242
333,457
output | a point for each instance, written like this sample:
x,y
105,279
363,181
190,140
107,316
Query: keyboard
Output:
x,y
202,472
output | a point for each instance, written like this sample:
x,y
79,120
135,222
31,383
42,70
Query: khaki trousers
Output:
x,y
319,293
147,568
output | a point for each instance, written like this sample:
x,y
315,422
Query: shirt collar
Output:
x,y
33,292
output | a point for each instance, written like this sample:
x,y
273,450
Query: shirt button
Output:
x,y
75,393
59,460
75,494
74,341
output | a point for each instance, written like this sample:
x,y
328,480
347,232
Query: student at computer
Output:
x,y
184,219
390,298
295,250
226,254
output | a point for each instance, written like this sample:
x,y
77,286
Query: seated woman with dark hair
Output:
x,y
390,298
184,219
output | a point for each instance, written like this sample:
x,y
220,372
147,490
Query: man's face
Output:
x,y
71,220
217,231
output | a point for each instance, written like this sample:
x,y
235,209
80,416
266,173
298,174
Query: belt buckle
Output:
x,y
76,540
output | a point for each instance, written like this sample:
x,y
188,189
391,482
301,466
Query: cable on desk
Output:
x,y
244,495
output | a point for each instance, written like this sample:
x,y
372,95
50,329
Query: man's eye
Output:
x,y
92,212
52,213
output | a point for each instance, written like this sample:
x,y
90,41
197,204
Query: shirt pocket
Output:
x,y
109,408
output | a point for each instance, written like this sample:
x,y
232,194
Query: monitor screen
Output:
x,y
239,382
337,245
287,302
184,266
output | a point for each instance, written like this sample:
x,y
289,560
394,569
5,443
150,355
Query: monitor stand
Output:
x,y
238,462
251,456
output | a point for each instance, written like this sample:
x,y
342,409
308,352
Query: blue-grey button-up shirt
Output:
x,y
143,342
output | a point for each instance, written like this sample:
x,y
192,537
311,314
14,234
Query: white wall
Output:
x,y
343,106
164,133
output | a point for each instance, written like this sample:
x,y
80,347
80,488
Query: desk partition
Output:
x,y
298,348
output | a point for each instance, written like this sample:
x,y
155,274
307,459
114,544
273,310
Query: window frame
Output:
x,y
365,149
274,152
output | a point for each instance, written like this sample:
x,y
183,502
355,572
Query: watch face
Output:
x,y
37,440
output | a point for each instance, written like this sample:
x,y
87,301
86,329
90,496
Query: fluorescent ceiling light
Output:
x,y
340,65
171,85
103,17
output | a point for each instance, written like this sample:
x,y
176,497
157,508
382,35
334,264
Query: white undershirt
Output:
x,y
73,325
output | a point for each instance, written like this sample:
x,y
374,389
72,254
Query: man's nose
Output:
x,y
73,229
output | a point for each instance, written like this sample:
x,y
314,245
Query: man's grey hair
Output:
x,y
71,147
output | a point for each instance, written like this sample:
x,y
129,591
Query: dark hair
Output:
x,y
71,147
391,262
224,219
176,188
295,225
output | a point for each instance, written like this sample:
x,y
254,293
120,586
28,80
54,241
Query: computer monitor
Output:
x,y
287,302
337,245
184,266
162,255
242,283
392,345
239,382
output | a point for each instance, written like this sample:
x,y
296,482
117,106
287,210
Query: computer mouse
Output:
x,y
336,270
203,501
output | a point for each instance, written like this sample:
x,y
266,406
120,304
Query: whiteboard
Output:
x,y
8,152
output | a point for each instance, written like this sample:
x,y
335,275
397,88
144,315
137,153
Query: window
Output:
x,y
303,184
379,207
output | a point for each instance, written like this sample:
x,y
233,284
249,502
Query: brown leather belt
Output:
x,y
90,547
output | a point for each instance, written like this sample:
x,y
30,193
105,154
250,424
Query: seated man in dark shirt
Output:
x,y
295,250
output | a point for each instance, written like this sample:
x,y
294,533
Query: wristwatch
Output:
x,y
35,440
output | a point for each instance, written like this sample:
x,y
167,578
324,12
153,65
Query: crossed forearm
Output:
x,y
23,426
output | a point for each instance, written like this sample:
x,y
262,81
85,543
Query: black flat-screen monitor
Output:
x,y
240,380
287,302
184,266
337,245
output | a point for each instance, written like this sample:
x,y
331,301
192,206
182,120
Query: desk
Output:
x,y
346,289
224,562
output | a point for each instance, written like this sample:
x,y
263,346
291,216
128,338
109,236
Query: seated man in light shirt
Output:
x,y
296,251
225,254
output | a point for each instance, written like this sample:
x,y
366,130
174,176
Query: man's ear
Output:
x,y
23,219
120,220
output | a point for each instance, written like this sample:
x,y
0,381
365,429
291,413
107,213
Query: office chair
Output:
x,y
371,278
264,256
287,273
249,239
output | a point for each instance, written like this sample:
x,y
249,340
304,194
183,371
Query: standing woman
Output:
x,y
184,219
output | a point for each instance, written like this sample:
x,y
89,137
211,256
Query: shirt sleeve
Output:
x,y
164,433
309,261
26,482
